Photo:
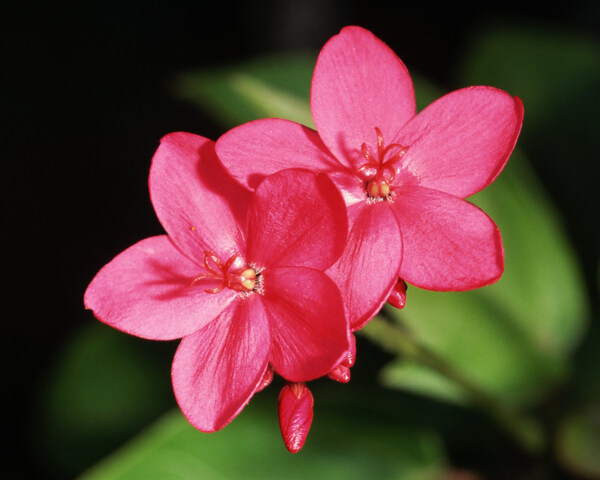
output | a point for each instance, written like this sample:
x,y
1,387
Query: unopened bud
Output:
x,y
266,379
295,415
341,374
397,297
351,353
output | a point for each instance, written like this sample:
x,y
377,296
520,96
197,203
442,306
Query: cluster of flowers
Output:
x,y
282,241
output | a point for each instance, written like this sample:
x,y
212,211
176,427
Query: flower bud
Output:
x,y
397,297
295,415
341,373
266,379
351,353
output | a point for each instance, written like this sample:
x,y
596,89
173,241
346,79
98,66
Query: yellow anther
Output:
x,y
378,188
248,279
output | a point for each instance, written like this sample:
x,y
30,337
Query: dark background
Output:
x,y
84,101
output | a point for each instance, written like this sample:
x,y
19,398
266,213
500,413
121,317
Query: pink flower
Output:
x,y
404,175
239,277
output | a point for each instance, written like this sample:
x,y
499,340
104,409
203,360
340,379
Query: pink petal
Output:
x,y
350,186
296,218
368,268
308,327
295,408
262,147
216,370
197,203
359,84
146,291
449,243
460,143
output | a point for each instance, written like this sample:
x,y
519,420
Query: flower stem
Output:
x,y
394,339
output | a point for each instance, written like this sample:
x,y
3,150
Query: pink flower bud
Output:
x,y
341,374
266,379
351,353
295,415
397,297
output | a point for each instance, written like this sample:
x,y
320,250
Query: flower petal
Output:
x,y
216,370
262,147
358,84
449,243
368,268
146,291
308,328
197,203
460,143
296,218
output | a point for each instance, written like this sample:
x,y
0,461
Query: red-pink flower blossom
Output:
x,y
404,175
239,277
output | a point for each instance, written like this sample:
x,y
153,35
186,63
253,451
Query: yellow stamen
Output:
x,y
378,188
248,279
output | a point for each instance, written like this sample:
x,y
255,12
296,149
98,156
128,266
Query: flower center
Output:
x,y
245,279
378,173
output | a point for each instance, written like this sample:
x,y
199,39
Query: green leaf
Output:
x,y
339,446
102,389
418,378
271,87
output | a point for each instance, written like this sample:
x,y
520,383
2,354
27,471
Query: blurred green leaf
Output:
x,y
578,442
251,447
276,86
418,378
104,387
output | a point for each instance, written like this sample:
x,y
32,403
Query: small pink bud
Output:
x,y
341,374
351,353
266,379
397,297
295,415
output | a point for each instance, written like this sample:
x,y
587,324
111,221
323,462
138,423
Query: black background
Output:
x,y
84,101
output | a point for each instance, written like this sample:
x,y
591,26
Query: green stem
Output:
x,y
394,339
